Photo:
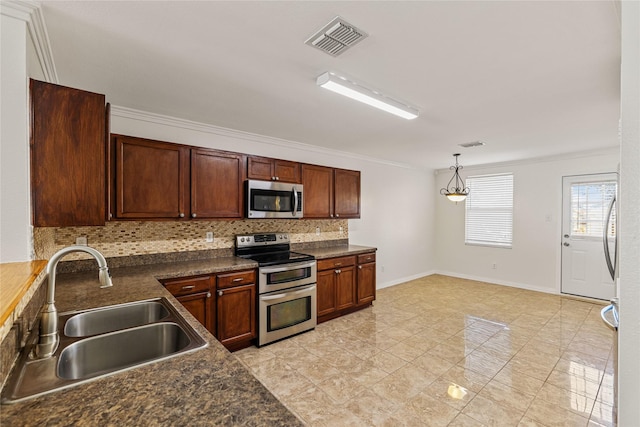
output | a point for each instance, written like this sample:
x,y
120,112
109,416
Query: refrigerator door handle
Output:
x,y
605,241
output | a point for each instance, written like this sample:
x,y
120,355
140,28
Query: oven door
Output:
x,y
284,276
273,199
287,313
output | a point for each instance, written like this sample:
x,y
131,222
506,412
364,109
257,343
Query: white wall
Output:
x,y
629,333
397,212
534,260
15,229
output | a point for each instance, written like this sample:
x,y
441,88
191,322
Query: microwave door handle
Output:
x,y
295,201
605,241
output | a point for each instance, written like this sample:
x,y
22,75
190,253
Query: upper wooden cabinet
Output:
x,y
346,186
267,169
216,184
67,156
151,178
330,193
156,179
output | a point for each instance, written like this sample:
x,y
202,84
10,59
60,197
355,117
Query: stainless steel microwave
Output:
x,y
267,199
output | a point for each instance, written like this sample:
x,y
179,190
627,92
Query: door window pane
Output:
x,y
589,207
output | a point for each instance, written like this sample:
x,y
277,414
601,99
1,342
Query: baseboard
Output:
x,y
405,279
498,282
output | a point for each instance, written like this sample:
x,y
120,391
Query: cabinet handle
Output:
x,y
220,293
208,294
338,271
273,178
277,178
337,264
360,267
186,288
337,215
181,215
110,215
239,279
331,215
193,215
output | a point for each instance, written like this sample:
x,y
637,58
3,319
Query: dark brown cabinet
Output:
x,y
67,156
330,193
236,308
267,169
366,278
155,179
216,184
336,286
151,178
194,293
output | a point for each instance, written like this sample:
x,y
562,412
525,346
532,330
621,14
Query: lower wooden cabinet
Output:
x,y
225,304
366,278
345,284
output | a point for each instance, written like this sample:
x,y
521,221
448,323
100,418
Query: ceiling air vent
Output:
x,y
472,144
336,37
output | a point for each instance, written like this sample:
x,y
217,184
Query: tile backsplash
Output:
x,y
126,238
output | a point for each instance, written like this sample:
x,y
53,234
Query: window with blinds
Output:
x,y
489,210
589,207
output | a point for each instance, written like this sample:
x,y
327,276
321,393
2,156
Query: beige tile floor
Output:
x,y
440,351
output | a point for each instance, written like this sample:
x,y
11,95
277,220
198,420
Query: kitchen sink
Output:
x,y
119,350
109,319
102,342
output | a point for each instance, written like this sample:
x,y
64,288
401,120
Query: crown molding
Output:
x,y
160,119
31,13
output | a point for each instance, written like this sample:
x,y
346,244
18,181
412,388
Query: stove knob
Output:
x,y
242,239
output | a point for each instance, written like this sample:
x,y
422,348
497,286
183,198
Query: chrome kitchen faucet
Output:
x,y
49,338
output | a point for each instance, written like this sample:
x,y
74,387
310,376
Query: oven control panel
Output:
x,y
261,239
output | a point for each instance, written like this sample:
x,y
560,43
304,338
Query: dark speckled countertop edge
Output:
x,y
336,251
209,385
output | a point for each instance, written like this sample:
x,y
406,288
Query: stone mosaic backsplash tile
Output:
x,y
126,238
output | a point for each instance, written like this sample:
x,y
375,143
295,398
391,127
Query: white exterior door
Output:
x,y
585,204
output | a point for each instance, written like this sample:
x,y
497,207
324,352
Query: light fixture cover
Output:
x,y
362,93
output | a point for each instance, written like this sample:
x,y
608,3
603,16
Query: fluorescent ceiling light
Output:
x,y
361,93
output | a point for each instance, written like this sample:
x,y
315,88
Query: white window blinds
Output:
x,y
589,207
489,210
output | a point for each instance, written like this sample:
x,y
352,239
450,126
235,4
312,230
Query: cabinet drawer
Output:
x,y
362,259
326,264
179,287
236,279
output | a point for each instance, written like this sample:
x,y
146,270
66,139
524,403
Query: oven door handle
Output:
x,y
266,270
287,295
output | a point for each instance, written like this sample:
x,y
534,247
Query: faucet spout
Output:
x,y
49,337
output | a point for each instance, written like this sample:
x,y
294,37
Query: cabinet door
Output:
x,y
318,191
345,287
67,156
236,314
347,193
366,283
151,178
199,305
260,168
216,184
326,292
286,171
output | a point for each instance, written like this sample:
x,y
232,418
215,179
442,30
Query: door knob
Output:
x,y
566,244
566,236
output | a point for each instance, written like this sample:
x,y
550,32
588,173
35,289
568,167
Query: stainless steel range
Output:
x,y
286,285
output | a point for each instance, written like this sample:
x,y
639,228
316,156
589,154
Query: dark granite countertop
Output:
x,y
340,250
206,387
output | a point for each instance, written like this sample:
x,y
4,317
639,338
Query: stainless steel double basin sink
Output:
x,y
100,342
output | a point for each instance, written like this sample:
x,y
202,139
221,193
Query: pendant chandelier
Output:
x,y
456,192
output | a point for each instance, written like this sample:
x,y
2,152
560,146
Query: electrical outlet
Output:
x,y
82,241
494,266
382,269
341,231
209,237
317,231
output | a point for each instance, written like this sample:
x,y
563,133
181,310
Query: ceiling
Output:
x,y
529,78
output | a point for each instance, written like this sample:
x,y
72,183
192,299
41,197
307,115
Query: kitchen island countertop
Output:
x,y
206,387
